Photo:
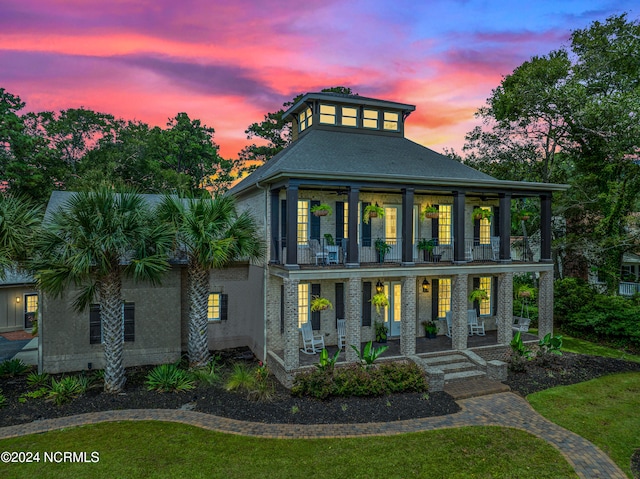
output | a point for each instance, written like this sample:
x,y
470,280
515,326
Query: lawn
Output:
x,y
168,450
604,411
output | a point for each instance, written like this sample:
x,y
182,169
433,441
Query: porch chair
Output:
x,y
312,344
342,333
468,251
495,247
319,253
448,318
475,326
522,325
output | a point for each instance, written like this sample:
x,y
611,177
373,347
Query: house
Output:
x,y
348,152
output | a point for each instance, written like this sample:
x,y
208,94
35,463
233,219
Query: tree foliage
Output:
x,y
572,116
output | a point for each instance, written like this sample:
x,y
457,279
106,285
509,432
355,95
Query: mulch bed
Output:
x,y
565,369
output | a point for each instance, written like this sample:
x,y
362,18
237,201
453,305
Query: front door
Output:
x,y
30,310
393,314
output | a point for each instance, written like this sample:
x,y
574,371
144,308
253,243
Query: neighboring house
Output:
x,y
19,300
349,152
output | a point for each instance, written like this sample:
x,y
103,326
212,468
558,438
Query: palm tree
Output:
x,y
212,234
93,241
19,219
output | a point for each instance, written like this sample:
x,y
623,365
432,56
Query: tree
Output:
x,y
275,131
19,220
212,235
93,241
572,116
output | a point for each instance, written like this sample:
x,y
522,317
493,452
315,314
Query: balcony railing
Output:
x,y
323,253
628,289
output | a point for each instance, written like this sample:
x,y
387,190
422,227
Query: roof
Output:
x,y
353,156
349,99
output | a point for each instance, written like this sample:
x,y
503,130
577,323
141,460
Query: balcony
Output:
x,y
319,253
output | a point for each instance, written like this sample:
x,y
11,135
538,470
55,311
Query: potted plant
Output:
x,y
318,303
478,295
427,245
382,248
525,292
429,211
322,209
372,211
482,213
525,215
328,239
430,329
381,332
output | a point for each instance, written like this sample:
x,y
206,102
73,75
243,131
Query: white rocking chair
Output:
x,y
342,333
312,344
475,327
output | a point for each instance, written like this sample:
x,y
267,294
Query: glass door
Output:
x,y
393,314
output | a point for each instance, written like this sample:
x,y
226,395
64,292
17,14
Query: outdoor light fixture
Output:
x,y
17,299
425,286
379,287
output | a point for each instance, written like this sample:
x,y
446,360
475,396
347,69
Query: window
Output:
x,y
303,304
213,307
30,308
370,118
390,121
444,224
305,119
328,114
349,116
345,226
485,305
485,229
303,222
95,323
444,297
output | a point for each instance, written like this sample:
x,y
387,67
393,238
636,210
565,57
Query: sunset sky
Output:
x,y
229,62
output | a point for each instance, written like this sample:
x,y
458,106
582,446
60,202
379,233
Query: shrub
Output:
x,y
208,374
36,380
570,296
357,381
68,388
13,367
241,378
169,378
3,400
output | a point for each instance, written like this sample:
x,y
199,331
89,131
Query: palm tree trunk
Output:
x,y
112,332
198,347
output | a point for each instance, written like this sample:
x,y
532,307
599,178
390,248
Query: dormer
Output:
x,y
340,112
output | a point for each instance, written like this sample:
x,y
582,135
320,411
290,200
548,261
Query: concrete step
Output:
x,y
436,361
456,367
463,376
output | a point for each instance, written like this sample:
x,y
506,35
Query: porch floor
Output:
x,y
423,346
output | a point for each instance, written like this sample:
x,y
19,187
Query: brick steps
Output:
x,y
455,367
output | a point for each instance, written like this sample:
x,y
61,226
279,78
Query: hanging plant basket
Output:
x,y
322,209
432,216
430,212
524,294
321,213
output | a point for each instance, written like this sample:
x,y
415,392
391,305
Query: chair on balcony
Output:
x,y
495,247
475,326
342,333
316,251
312,343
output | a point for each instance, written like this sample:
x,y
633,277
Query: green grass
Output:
x,y
580,346
603,410
159,450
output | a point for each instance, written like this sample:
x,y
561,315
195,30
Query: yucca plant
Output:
x,y
169,378
13,367
37,380
68,388
241,378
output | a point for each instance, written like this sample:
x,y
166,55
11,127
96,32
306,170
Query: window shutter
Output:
x,y
315,315
314,223
496,221
494,294
283,223
339,222
224,307
366,229
435,226
281,308
339,302
366,303
95,328
476,232
434,299
129,313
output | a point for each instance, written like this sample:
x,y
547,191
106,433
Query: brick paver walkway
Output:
x,y
503,409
